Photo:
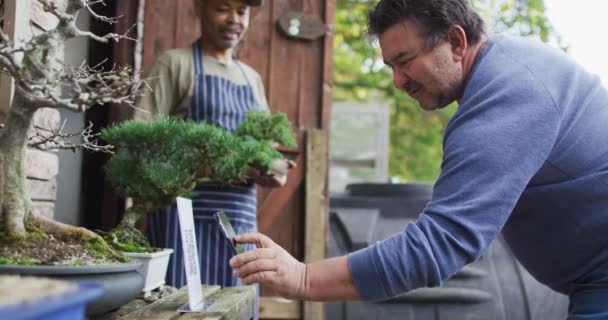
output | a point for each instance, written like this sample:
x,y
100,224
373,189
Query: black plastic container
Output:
x,y
494,287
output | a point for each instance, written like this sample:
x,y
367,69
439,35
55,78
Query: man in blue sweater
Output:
x,y
526,154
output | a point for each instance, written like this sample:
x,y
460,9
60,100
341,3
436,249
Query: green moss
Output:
x,y
133,247
130,240
36,235
21,261
99,248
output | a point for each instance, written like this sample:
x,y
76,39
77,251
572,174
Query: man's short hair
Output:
x,y
254,3
432,18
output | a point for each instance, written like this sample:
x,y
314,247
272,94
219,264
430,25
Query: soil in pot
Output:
x,y
44,249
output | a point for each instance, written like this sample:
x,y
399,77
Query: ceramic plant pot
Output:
x,y
121,282
153,267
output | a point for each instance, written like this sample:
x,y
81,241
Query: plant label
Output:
x,y
196,302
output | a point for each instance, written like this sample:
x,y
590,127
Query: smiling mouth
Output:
x,y
230,34
412,88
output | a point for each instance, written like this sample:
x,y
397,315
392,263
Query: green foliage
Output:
x,y
22,261
163,159
166,158
128,239
275,128
360,75
101,251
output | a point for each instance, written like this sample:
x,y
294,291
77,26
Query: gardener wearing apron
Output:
x,y
206,84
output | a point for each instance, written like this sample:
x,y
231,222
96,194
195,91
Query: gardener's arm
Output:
x,y
162,94
272,266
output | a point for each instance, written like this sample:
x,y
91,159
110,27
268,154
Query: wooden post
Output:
x,y
316,208
316,224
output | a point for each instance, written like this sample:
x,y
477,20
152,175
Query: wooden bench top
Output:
x,y
231,303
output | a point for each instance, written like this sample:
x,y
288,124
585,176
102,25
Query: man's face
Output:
x,y
224,22
432,77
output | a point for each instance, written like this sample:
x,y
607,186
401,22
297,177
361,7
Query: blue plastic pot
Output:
x,y
70,306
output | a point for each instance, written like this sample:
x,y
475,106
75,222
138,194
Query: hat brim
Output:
x,y
254,3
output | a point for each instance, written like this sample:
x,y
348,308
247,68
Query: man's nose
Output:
x,y
234,17
400,79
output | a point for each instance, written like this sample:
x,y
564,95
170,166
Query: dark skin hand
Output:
x,y
270,180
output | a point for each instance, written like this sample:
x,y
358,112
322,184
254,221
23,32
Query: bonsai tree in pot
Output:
x,y
166,158
39,80
161,160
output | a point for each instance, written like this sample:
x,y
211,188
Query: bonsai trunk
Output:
x,y
131,216
15,204
14,197
126,236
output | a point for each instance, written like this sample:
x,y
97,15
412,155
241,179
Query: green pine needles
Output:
x,y
160,160
261,127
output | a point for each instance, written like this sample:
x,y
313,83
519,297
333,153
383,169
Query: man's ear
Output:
x,y
457,38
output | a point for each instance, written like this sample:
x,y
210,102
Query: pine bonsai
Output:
x,y
39,80
166,158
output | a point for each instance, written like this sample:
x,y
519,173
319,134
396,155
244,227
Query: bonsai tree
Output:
x,y
166,158
39,80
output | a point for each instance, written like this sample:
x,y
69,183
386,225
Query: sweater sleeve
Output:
x,y
159,99
498,139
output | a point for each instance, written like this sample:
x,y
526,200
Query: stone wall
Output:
x,y
22,17
42,166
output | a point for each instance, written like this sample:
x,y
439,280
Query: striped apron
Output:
x,y
224,103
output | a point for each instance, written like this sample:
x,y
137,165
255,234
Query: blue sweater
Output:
x,y
527,154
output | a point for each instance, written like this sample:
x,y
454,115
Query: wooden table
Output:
x,y
232,303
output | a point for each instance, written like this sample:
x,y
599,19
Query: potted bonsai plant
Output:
x,y
160,160
27,238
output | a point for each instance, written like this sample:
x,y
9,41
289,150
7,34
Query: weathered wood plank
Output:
x,y
316,219
41,165
224,304
42,189
279,308
166,308
231,303
187,28
328,64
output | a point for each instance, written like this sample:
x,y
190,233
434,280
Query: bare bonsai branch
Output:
x,y
67,20
86,87
91,86
56,139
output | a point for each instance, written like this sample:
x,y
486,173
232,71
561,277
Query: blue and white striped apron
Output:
x,y
222,102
